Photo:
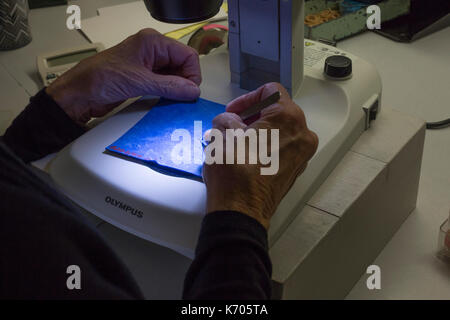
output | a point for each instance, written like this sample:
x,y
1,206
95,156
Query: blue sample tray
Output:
x,y
165,132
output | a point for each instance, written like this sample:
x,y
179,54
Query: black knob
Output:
x,y
338,67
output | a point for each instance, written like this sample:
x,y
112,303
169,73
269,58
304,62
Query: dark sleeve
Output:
x,y
42,235
40,129
231,260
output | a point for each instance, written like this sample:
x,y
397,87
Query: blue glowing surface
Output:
x,y
154,138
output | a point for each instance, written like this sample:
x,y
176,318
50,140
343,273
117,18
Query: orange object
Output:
x,y
324,16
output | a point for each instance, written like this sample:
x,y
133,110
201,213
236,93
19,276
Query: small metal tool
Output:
x,y
259,106
249,112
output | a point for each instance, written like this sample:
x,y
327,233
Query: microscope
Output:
x,y
265,37
339,93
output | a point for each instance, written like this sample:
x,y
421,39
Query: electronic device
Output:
x,y
51,65
338,92
424,18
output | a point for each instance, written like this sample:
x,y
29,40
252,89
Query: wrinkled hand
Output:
x,y
241,187
146,63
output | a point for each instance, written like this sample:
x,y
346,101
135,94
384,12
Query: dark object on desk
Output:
x,y
14,29
439,124
425,17
45,3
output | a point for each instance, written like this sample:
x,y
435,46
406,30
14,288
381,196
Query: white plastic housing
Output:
x,y
172,207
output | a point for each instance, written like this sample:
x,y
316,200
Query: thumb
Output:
x,y
228,120
173,87
223,121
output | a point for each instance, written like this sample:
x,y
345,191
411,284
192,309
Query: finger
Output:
x,y
224,121
228,120
301,169
285,113
178,58
173,87
243,102
207,135
159,52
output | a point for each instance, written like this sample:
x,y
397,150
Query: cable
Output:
x,y
438,125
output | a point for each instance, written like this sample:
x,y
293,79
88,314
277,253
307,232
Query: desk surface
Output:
x,y
414,81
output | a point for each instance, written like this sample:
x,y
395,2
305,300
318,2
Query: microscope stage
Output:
x,y
168,210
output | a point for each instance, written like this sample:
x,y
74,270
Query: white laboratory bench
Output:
x,y
415,82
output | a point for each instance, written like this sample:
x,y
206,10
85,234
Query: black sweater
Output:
x,y
42,233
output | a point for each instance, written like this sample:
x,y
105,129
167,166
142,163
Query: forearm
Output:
x,y
42,128
231,260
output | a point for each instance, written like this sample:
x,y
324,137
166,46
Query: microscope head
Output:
x,y
265,36
183,11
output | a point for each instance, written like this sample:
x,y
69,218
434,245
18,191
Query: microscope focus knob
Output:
x,y
338,67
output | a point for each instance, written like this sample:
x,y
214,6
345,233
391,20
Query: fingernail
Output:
x,y
185,91
196,88
207,135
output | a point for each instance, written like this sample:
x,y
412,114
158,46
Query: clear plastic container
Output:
x,y
444,242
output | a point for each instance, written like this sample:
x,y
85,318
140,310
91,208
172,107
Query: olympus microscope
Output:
x,y
339,93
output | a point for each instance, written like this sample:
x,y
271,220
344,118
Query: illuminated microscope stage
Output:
x,y
172,208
